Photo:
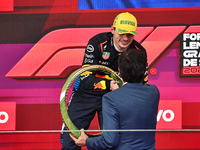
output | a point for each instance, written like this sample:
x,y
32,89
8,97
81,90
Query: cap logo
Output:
x,y
127,22
121,31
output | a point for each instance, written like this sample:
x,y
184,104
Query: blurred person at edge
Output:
x,y
133,106
102,49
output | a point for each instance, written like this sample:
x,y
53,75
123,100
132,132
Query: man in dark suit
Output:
x,y
133,106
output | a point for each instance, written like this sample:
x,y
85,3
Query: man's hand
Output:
x,y
81,141
113,85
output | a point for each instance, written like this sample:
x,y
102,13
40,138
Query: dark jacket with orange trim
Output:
x,y
100,50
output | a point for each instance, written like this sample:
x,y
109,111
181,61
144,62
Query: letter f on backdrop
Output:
x,y
61,51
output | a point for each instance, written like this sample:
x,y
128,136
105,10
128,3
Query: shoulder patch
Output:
x,y
106,55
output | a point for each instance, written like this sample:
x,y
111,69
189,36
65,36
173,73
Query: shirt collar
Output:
x,y
117,49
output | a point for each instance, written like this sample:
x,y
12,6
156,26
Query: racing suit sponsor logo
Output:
x,y
104,47
86,73
82,78
104,63
89,56
90,48
100,86
106,55
88,61
103,76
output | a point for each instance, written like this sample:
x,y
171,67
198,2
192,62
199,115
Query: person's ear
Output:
x,y
112,29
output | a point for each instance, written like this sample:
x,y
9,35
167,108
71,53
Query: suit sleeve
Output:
x,y
110,122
